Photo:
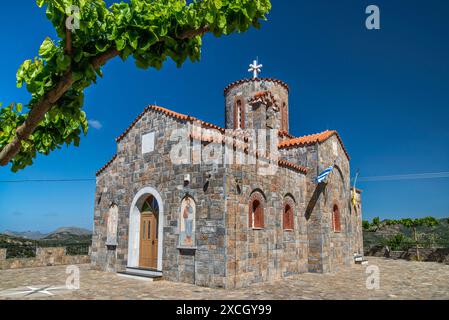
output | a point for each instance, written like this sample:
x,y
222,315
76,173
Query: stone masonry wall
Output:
x,y
132,171
271,253
307,156
338,246
328,250
228,253
44,257
440,255
257,119
357,215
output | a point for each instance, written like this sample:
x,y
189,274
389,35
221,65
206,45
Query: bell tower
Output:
x,y
257,103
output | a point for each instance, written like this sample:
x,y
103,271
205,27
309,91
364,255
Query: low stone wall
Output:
x,y
440,255
44,257
2,254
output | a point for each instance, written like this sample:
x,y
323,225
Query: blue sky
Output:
x,y
386,92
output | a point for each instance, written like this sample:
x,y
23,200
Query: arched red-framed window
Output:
x,y
239,113
336,219
288,219
256,211
288,213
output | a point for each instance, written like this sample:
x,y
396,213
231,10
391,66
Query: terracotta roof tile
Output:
x,y
285,134
292,142
312,139
106,166
169,113
236,83
290,165
265,97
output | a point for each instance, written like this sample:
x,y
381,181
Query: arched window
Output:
x,y
336,222
150,205
288,218
239,113
256,211
288,215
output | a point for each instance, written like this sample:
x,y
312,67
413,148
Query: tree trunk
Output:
x,y
415,235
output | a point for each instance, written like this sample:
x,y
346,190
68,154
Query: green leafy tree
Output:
x,y
414,224
366,225
149,31
376,224
398,242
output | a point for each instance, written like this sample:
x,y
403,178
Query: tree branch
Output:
x,y
193,33
101,59
68,42
38,111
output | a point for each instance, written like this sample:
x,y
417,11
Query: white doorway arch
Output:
x,y
134,227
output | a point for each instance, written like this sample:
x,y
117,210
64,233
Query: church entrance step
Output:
x,y
140,276
359,259
144,272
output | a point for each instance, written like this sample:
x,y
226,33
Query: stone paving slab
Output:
x,y
399,279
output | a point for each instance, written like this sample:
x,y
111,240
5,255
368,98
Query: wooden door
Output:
x,y
148,241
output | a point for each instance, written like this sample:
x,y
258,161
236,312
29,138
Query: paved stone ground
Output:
x,y
399,279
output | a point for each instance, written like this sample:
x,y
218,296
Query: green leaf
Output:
x,y
120,43
102,46
47,49
218,4
63,62
209,18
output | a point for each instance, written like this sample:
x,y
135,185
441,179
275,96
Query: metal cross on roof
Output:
x,y
255,68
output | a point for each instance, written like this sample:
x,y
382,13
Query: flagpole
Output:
x,y
354,187
356,177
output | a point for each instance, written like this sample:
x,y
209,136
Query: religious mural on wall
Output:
x,y
187,225
112,224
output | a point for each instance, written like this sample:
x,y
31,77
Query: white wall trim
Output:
x,y
134,227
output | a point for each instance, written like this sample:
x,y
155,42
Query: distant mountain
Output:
x,y
32,235
75,240
73,230
64,233
68,234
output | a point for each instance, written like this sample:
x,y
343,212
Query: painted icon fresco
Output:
x,y
187,225
112,225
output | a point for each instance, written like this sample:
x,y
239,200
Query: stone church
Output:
x,y
222,223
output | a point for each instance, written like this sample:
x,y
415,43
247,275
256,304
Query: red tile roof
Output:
x,y
285,134
169,113
291,143
236,83
290,165
106,166
312,139
265,97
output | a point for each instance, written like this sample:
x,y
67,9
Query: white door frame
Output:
x,y
134,227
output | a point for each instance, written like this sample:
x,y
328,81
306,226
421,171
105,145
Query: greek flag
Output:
x,y
323,175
